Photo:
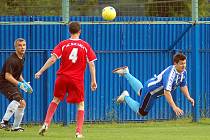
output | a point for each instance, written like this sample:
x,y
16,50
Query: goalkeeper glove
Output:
x,y
25,87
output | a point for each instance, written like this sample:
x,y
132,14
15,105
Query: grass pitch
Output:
x,y
152,130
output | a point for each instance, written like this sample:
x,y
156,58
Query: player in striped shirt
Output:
x,y
163,84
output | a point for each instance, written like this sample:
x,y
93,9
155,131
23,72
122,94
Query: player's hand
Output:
x,y
30,89
191,100
37,75
25,87
93,86
178,111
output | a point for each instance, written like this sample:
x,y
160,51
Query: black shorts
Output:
x,y
11,93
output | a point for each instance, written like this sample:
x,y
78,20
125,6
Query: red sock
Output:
x,y
50,112
80,120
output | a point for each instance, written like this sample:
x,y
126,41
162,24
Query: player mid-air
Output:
x,y
163,84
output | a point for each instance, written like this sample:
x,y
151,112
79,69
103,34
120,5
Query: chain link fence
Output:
x,y
158,8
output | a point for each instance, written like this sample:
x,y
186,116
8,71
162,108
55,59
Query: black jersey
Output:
x,y
13,65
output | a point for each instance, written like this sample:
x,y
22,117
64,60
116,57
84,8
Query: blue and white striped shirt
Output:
x,y
169,79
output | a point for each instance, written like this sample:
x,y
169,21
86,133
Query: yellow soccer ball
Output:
x,y
108,13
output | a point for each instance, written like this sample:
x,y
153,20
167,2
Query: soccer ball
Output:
x,y
108,13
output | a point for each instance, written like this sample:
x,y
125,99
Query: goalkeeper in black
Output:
x,y
11,81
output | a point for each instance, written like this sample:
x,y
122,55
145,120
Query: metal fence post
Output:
x,y
196,63
65,11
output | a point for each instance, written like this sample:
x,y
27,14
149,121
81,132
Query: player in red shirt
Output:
x,y
74,54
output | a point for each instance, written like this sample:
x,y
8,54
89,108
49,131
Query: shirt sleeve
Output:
x,y
168,78
57,51
184,80
9,67
91,56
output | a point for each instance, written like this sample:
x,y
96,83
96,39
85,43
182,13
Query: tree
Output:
x,y
30,7
175,8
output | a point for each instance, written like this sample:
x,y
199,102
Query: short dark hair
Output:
x,y
74,27
179,56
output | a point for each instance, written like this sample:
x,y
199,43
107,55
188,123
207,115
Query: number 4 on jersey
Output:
x,y
73,55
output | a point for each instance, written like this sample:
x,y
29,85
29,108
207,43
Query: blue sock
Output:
x,y
135,83
134,105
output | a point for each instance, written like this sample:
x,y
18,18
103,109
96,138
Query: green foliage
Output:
x,y
84,8
176,8
204,8
30,7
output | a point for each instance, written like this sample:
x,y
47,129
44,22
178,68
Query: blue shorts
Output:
x,y
147,102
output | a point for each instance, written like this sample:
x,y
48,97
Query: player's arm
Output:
x,y
48,64
93,75
168,78
21,78
186,93
11,79
21,85
9,71
171,102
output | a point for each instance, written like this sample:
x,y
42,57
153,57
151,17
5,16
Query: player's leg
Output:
x,y
80,119
50,113
134,105
19,113
14,97
11,108
142,109
147,104
59,93
51,110
76,95
135,83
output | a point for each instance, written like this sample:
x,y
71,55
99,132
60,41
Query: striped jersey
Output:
x,y
169,79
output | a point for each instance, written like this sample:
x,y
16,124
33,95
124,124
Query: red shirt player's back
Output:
x,y
74,54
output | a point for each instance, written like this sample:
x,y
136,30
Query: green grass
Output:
x,y
152,130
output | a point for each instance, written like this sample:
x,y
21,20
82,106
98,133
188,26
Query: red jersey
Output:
x,y
74,54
